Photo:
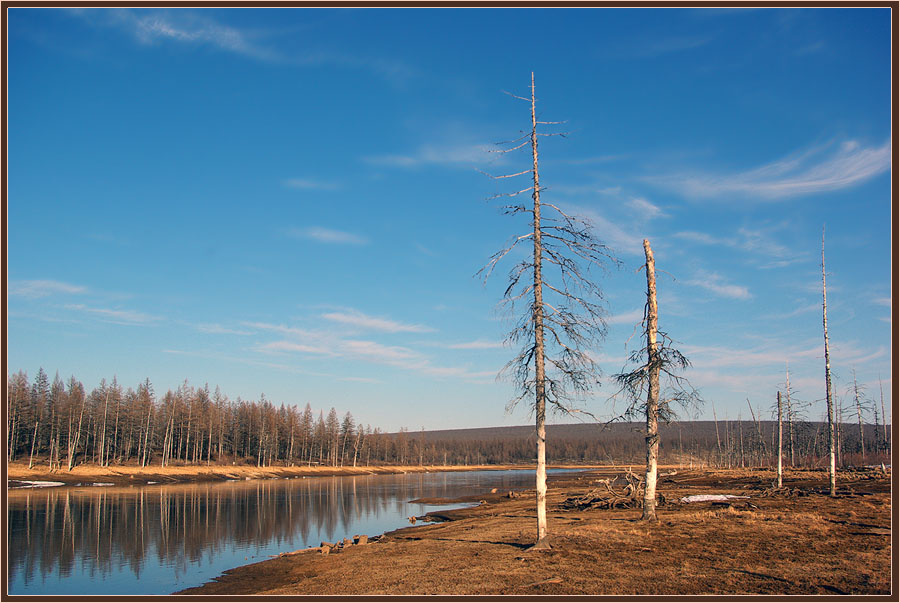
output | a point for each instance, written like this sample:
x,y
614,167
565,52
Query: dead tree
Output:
x,y
859,417
790,412
828,400
780,435
718,441
656,358
884,437
563,317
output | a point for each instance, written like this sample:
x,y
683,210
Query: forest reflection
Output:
x,y
93,531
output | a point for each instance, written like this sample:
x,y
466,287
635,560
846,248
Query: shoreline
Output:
x,y
794,543
130,475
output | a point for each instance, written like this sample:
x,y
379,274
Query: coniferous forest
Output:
x,y
61,424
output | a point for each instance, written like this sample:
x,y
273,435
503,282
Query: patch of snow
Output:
x,y
103,484
709,497
38,484
148,483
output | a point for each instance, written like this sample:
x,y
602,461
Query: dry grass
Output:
x,y
777,545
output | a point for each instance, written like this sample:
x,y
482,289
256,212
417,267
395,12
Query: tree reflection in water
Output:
x,y
159,538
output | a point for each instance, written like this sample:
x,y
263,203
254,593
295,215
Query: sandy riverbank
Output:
x,y
794,541
134,475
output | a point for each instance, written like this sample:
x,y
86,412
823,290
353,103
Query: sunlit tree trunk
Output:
x,y
859,419
780,434
883,417
540,402
790,414
828,395
652,437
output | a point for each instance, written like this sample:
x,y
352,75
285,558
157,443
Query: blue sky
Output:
x,y
289,201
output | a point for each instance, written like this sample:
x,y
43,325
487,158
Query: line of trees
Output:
x,y
60,424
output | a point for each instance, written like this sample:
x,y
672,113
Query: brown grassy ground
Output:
x,y
808,544
130,474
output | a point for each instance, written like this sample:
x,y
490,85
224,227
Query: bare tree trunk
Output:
x,y
103,431
761,447
33,442
115,446
790,413
652,438
883,417
12,405
73,445
145,457
538,318
780,434
862,441
718,441
209,444
830,409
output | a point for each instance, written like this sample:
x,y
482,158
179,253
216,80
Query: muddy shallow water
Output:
x,y
157,539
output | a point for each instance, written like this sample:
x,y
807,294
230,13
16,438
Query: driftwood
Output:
x,y
328,547
608,496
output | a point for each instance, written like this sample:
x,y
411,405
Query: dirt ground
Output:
x,y
797,541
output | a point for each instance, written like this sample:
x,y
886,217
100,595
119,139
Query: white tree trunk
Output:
x,y
780,435
828,396
540,402
652,438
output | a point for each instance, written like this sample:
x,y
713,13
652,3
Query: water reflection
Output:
x,y
158,539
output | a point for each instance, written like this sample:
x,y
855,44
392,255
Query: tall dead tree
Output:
x,y
790,412
656,357
718,441
859,417
828,401
884,430
563,318
780,435
652,387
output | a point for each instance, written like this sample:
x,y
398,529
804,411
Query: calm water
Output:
x,y
158,539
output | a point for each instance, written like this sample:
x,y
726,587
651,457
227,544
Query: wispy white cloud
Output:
x,y
587,160
360,380
330,345
358,319
383,353
327,235
479,344
43,288
466,154
190,28
883,301
217,329
645,209
308,184
616,237
820,169
772,355
283,329
292,346
626,318
760,241
585,189
126,317
183,26
712,281
646,47
794,313
667,45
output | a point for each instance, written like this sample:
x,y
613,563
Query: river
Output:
x,y
158,539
